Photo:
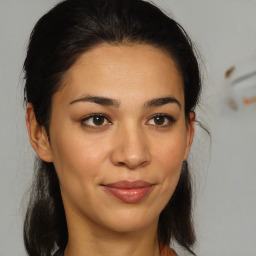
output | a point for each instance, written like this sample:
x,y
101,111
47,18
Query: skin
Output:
x,y
130,144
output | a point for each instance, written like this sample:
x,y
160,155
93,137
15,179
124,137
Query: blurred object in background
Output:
x,y
239,89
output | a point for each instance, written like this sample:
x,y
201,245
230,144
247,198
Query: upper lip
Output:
x,y
129,184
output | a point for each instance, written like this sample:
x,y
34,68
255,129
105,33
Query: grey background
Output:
x,y
224,169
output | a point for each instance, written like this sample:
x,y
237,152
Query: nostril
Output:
x,y
121,164
133,165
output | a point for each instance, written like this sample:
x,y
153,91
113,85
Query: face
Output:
x,y
118,136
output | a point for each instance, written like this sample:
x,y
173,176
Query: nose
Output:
x,y
131,149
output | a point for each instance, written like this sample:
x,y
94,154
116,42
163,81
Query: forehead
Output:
x,y
125,72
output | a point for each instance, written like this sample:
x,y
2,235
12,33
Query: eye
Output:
x,y
161,120
95,121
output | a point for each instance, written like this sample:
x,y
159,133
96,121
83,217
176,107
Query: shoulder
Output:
x,y
167,251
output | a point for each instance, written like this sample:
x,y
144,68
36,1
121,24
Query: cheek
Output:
x,y
170,151
169,155
77,159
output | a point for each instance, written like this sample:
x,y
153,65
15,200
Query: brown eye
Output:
x,y
95,121
98,120
161,120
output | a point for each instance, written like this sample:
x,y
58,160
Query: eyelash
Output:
x,y
169,118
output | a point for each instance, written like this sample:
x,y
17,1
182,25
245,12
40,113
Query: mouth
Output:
x,y
129,191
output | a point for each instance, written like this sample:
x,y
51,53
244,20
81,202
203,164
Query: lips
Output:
x,y
129,191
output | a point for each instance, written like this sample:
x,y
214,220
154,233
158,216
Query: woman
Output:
x,y
111,88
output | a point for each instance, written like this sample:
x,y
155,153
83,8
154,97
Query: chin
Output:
x,y
131,222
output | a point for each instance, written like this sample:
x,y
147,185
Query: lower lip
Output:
x,y
129,195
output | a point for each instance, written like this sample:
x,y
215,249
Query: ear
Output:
x,y
190,132
37,135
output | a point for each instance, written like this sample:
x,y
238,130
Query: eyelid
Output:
x,y
88,117
170,118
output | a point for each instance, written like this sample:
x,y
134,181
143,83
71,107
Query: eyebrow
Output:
x,y
105,101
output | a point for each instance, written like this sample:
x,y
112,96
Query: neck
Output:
x,y
98,242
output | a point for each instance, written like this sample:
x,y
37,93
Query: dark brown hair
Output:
x,y
57,40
